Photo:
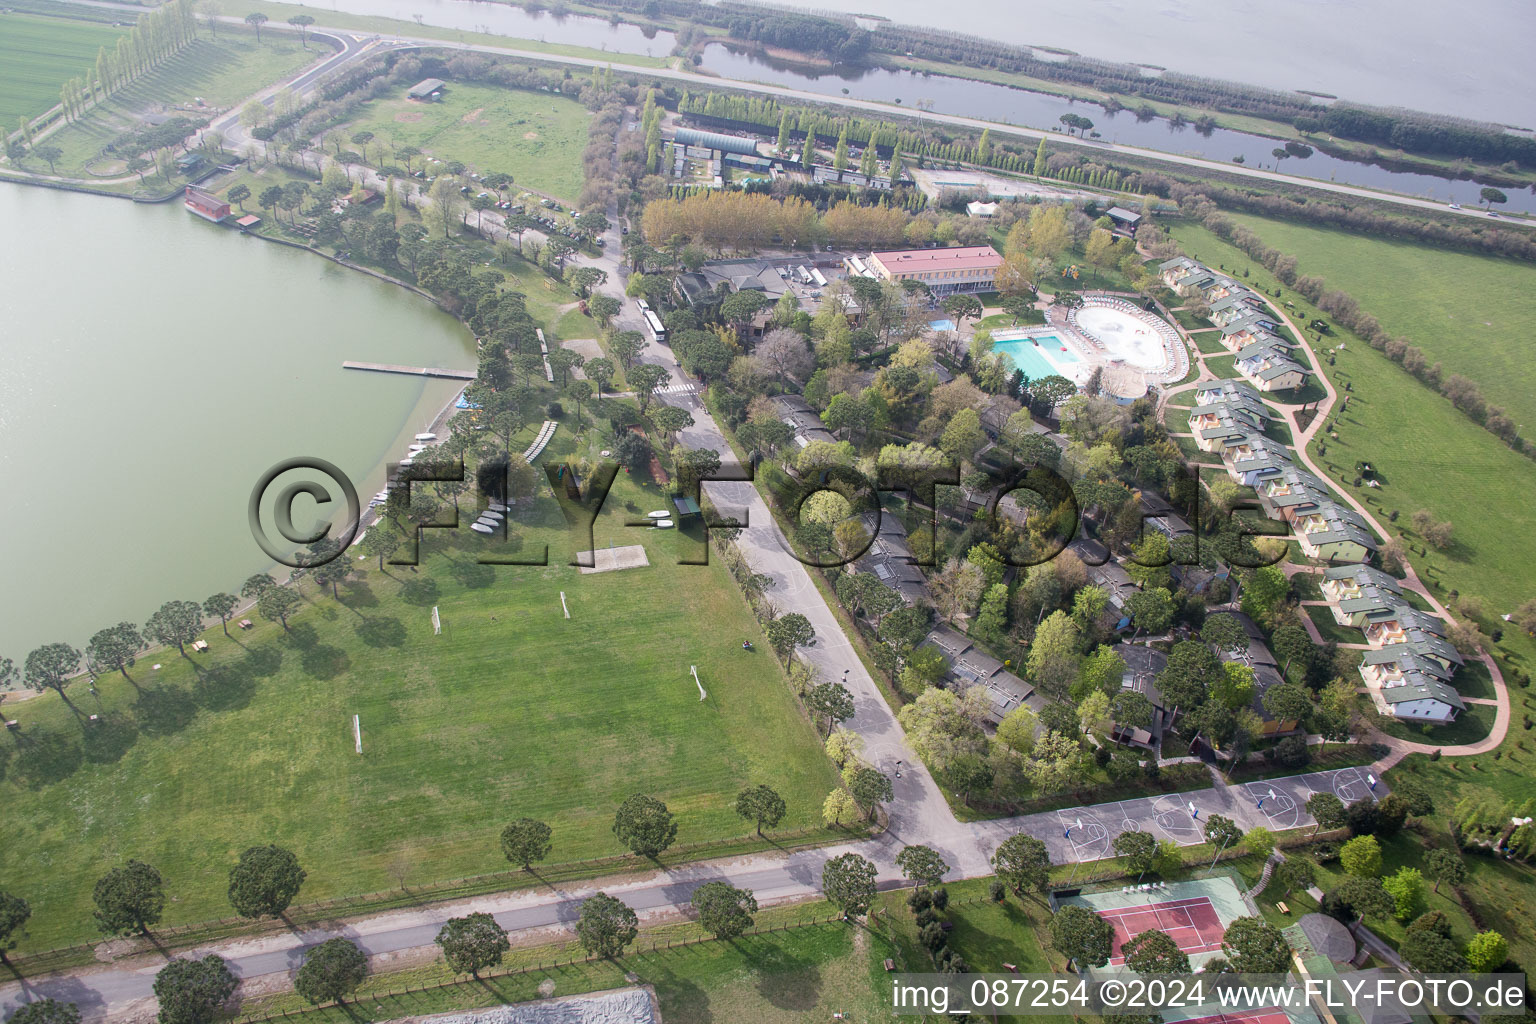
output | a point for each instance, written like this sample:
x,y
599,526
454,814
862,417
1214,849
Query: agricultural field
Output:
x,y
38,55
1470,313
512,711
533,136
222,71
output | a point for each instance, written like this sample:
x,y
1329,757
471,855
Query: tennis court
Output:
x,y
1191,923
1268,1015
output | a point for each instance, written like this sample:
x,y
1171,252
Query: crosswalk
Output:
x,y
678,389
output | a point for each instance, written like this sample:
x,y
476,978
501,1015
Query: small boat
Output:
x,y
658,515
496,507
413,449
664,524
425,437
482,528
407,462
489,514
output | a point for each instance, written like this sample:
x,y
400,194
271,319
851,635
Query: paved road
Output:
x,y
1073,835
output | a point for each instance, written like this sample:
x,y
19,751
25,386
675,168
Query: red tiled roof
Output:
x,y
973,257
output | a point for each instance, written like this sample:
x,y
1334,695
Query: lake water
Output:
x,y
1041,111
152,366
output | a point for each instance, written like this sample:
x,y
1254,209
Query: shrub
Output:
x,y
998,892
555,411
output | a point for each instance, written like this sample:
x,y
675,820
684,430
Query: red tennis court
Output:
x,y
1193,924
1268,1015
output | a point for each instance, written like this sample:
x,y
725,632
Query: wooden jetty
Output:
x,y
414,371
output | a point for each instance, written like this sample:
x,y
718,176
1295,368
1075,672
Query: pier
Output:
x,y
414,371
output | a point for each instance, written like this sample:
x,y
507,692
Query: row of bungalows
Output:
x,y
1227,421
802,419
1409,666
889,557
970,666
1248,328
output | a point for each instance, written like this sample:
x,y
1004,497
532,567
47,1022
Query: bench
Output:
x,y
1280,906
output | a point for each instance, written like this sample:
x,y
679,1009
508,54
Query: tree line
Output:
x,y
154,38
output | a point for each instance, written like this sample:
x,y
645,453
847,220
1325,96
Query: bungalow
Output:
x,y
1256,458
1341,582
1291,493
1221,424
1367,605
1143,664
890,558
1232,391
1386,665
1427,649
1266,673
1237,306
801,418
1333,533
1403,625
1420,699
970,666
1250,330
1177,271
1218,288
1270,367
1107,574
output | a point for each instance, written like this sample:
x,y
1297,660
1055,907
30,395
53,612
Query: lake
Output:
x,y
152,367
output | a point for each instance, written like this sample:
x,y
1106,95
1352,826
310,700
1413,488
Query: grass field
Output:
x,y
1470,313
512,711
535,137
37,56
223,72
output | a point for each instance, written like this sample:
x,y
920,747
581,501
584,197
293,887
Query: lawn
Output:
x,y
37,56
1209,342
223,71
514,710
1329,627
1470,313
534,136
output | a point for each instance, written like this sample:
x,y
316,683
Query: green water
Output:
x,y
152,366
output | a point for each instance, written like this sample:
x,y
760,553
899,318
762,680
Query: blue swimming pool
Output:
x,y
942,325
1043,355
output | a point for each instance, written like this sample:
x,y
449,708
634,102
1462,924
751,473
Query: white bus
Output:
x,y
643,306
654,328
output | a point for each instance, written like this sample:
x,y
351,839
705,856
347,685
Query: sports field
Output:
x,y
38,55
1470,313
512,711
534,136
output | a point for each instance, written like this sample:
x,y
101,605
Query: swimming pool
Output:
x,y
1041,355
942,325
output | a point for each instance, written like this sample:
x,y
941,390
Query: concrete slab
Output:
x,y
611,559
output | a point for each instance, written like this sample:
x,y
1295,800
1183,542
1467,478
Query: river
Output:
x,y
973,98
152,366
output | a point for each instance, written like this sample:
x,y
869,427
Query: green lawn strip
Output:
x,y
1468,312
490,720
537,137
1330,628
1427,456
1189,321
221,71
1221,366
329,18
1471,725
38,55
1308,586
1325,758
1209,342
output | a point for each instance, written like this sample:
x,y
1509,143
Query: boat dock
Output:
x,y
414,371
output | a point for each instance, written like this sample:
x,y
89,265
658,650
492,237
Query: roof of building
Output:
x,y
716,140
1119,213
1407,660
426,87
920,261
979,209
1422,687
1362,575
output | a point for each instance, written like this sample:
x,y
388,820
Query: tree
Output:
x,y
1151,610
1082,936
1260,842
1445,866
1328,810
848,881
1430,952
525,842
643,381
724,910
787,632
1487,951
302,23
1356,898
50,153
1154,952
1139,850
760,804
238,194
277,604
606,926
49,666
830,700
381,541
265,881
220,606
1295,872
1254,946
1361,857
644,824
331,971
256,20
471,944
922,865
1406,887
192,991
115,648
869,787
129,898
1224,633
255,586
14,912
176,622
839,803
1263,590
46,1011
1222,832
1288,702
1492,195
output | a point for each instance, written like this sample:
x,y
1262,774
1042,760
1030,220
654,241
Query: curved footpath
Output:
x,y
1399,748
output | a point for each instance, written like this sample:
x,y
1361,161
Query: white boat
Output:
x,y
426,437
658,515
496,507
491,514
482,528
407,462
413,449
664,524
